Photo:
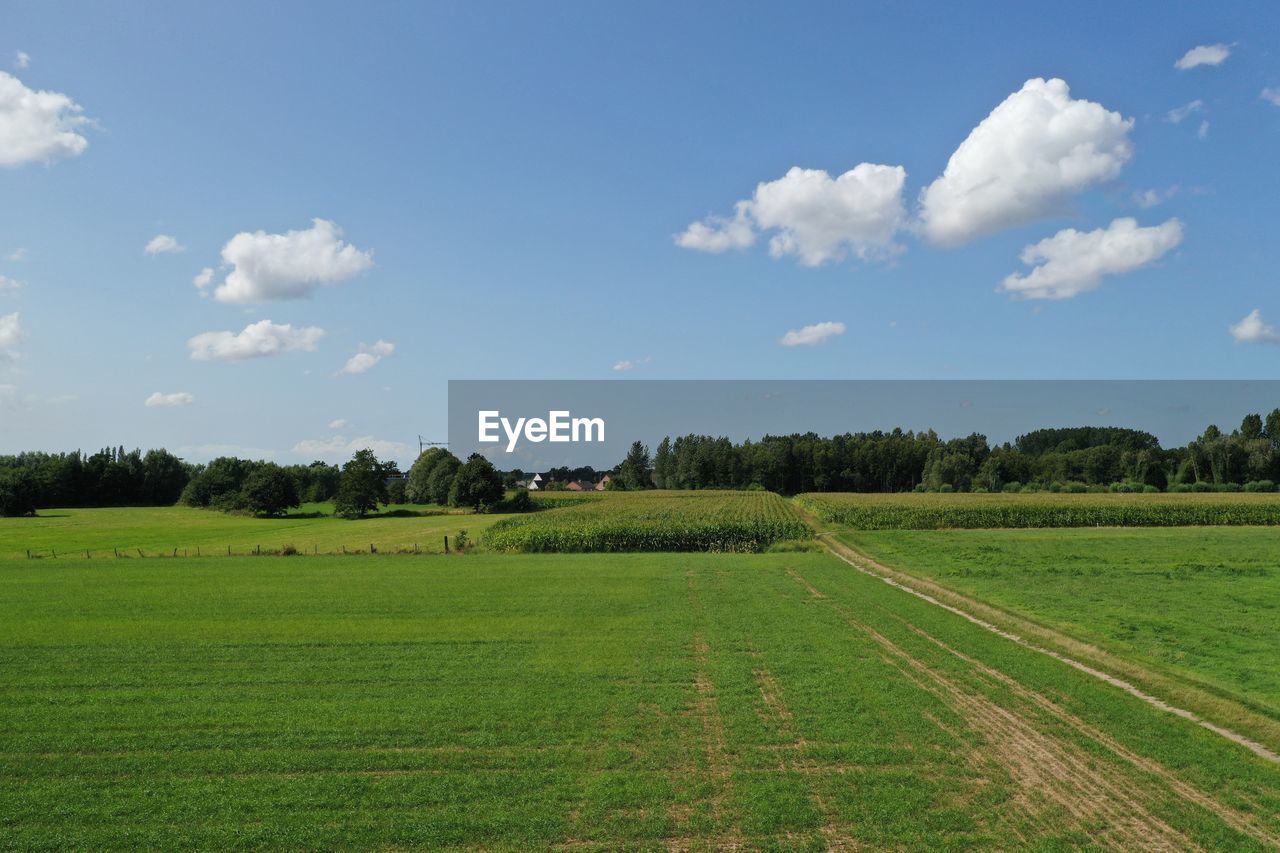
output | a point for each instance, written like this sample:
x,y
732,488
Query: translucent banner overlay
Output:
x,y
540,424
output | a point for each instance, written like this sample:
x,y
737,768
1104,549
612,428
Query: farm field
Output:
x,y
597,701
157,531
1040,509
654,521
1199,606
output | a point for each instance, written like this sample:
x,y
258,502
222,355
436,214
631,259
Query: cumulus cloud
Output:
x,y
37,127
163,244
10,335
1203,131
159,400
630,363
367,357
1022,161
7,283
717,234
18,254
1177,114
21,59
1254,330
811,335
340,423
1271,96
203,279
1147,199
1072,262
257,340
1204,54
815,217
266,267
339,447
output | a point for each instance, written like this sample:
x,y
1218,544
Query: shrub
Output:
x,y
1260,486
17,493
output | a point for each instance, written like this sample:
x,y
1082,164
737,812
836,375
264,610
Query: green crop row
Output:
x,y
931,512
654,521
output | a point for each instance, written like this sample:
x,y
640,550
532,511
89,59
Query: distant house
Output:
x,y
604,481
579,486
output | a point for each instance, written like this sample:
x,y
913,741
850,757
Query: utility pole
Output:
x,y
424,444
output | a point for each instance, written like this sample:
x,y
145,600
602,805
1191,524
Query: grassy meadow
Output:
x,y
597,701
1200,602
158,531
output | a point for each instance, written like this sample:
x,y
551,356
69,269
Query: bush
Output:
x,y
1260,486
1074,487
946,488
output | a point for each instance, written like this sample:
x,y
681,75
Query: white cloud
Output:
x,y
1022,161
10,335
1072,262
1177,114
18,254
203,279
815,217
163,244
177,398
266,267
631,363
339,447
1204,54
7,283
340,423
1271,96
1254,330
260,339
367,357
717,234
1203,132
811,335
21,59
1147,199
36,126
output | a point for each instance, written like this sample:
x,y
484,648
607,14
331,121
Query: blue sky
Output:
x,y
509,182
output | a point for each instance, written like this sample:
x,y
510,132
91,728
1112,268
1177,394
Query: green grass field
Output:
x,y
598,701
1203,603
158,531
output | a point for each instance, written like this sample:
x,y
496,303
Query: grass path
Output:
x,y
966,608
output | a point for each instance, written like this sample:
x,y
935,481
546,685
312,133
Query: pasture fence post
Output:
x,y
446,543
116,551
86,553
28,553
139,552
55,553
372,550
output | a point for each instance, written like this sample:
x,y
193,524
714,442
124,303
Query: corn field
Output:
x,y
939,511
653,521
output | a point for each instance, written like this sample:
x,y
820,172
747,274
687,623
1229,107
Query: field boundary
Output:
x,y
968,608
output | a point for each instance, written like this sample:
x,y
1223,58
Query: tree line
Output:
x,y
1067,459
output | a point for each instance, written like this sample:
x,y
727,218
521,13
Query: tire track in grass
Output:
x,y
873,569
793,758
1063,778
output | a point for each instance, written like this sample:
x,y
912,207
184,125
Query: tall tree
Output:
x,y
477,485
634,470
363,486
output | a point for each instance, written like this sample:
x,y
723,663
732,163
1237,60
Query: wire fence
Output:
x,y
458,545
